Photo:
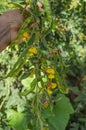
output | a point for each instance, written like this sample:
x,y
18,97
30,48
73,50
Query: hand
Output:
x,y
10,23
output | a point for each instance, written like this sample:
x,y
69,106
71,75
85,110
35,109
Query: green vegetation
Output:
x,y
43,79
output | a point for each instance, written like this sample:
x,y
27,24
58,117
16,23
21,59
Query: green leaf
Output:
x,y
19,64
46,32
61,87
60,115
30,84
17,120
47,9
14,100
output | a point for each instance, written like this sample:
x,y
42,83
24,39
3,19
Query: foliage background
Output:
x,y
18,107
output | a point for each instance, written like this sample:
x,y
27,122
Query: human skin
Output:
x,y
10,23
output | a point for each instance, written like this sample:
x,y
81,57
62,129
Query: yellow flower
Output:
x,y
49,43
50,71
31,54
23,39
51,76
82,51
27,1
52,85
25,36
33,50
49,91
67,90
